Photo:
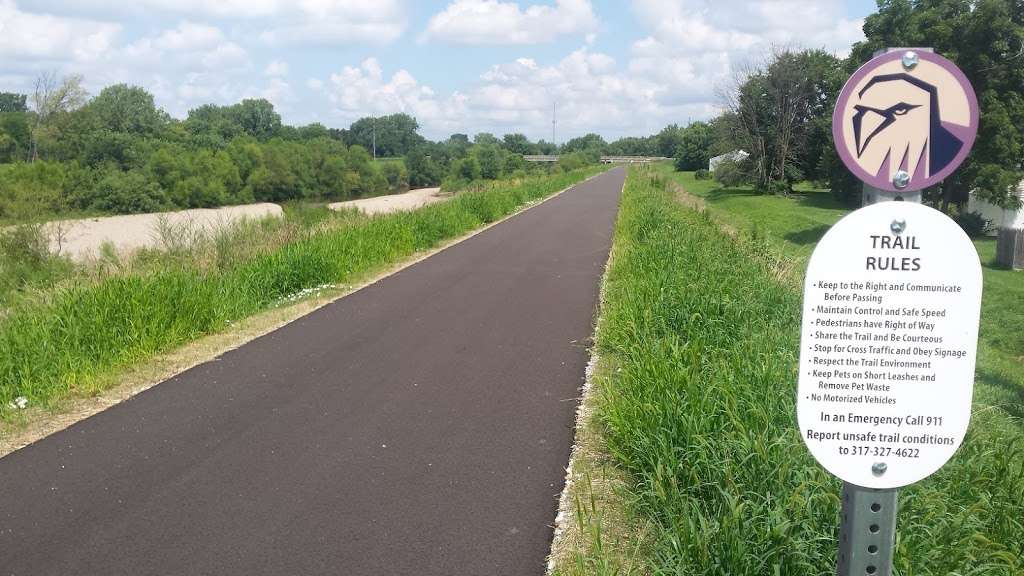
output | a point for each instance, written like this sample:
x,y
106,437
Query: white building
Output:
x,y
998,217
735,156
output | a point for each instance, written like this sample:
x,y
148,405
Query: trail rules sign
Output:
x,y
892,300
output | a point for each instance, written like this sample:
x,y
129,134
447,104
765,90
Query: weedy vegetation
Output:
x,y
58,341
698,409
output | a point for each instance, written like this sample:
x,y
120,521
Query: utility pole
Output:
x,y
374,124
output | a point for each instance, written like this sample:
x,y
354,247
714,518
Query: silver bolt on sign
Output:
x,y
901,179
909,60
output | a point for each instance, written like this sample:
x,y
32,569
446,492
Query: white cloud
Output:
x,y
357,91
590,90
36,36
187,46
668,73
695,46
738,26
333,22
325,22
276,68
279,92
495,22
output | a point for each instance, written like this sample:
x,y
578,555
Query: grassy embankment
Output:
x,y
694,405
65,340
793,226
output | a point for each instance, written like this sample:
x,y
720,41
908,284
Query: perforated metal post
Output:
x,y
867,531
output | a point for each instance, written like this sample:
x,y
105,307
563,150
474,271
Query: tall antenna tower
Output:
x,y
554,121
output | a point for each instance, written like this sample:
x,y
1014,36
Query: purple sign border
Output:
x,y
968,134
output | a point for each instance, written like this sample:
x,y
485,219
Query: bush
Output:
x,y
29,191
128,193
25,259
730,173
973,223
573,161
394,173
702,174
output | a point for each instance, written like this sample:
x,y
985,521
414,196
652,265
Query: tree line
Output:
x,y
61,151
781,111
119,153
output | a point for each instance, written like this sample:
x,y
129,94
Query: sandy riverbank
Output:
x,y
393,203
82,239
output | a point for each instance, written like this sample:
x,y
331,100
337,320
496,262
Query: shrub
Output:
x,y
128,193
574,161
396,176
702,174
730,173
973,223
25,259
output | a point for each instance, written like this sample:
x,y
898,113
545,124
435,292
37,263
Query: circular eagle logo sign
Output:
x,y
905,120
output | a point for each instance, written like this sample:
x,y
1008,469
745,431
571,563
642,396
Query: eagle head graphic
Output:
x,y
897,126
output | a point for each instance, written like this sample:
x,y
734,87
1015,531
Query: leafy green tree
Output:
x,y
467,168
15,136
313,131
426,165
574,160
694,149
52,101
669,139
775,113
985,38
122,149
486,139
546,148
127,193
12,102
512,163
257,118
127,109
488,156
592,143
634,146
247,155
518,144
212,125
457,145
275,179
395,134
396,176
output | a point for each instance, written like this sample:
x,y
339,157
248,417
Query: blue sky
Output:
x,y
616,68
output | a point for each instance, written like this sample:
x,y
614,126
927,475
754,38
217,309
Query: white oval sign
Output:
x,y
892,301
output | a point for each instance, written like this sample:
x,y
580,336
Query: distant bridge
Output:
x,y
604,159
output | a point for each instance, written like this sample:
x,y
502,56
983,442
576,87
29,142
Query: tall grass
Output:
x,y
700,411
51,346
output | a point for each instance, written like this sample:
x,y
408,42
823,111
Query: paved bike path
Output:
x,y
419,426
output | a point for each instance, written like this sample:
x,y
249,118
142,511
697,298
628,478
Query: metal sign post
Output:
x,y
867,531
891,301
867,520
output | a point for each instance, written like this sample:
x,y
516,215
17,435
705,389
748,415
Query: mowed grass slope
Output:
x,y
58,344
698,407
792,228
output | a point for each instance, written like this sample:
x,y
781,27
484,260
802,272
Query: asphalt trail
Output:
x,y
419,426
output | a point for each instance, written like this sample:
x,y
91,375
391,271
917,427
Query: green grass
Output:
x,y
699,410
56,344
792,226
